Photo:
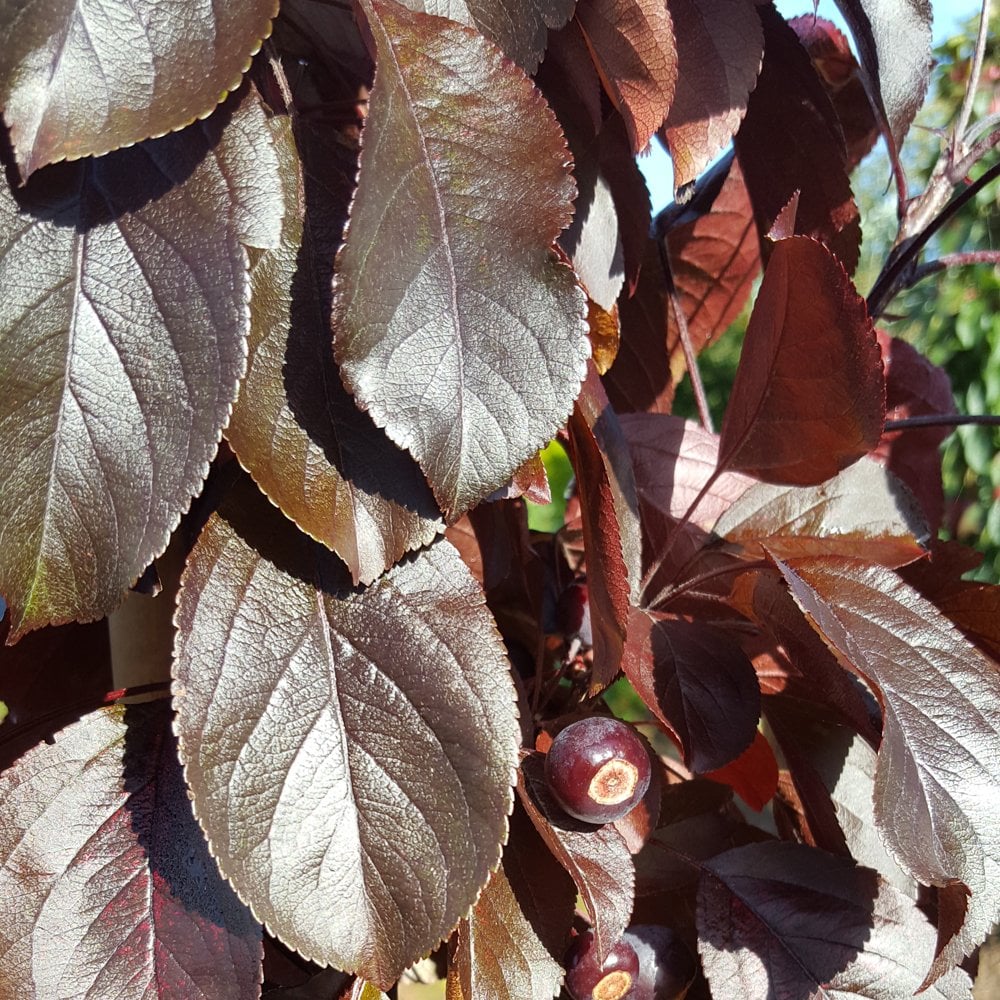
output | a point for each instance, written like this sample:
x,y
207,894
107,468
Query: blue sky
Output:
x,y
948,14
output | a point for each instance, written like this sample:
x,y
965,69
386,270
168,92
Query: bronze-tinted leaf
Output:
x,y
467,339
719,51
511,946
937,784
791,141
294,427
597,857
674,459
714,258
122,332
519,27
108,888
788,920
834,61
350,752
697,682
809,394
609,510
863,512
632,45
78,79
753,775
915,387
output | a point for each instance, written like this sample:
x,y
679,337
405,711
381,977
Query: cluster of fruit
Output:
x,y
598,769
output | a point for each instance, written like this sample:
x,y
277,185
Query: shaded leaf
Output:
x,y
719,50
609,510
123,338
350,753
512,945
809,328
697,682
79,79
673,459
638,824
787,920
467,341
894,42
915,387
294,427
714,258
632,45
48,680
107,883
940,751
596,857
863,512
804,669
753,775
519,27
845,766
791,141
834,61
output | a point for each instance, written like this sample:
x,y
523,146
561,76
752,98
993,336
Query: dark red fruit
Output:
x,y
588,980
666,966
598,769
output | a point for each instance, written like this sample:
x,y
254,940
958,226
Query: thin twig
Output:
x,y
942,420
670,593
684,335
968,100
949,260
885,287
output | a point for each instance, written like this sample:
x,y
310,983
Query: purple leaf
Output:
x,y
791,921
467,340
809,326
597,857
937,783
126,331
114,892
350,752
294,427
698,683
83,79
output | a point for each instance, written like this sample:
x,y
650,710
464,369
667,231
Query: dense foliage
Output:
x,y
290,300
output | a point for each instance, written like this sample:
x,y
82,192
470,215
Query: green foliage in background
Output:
x,y
953,316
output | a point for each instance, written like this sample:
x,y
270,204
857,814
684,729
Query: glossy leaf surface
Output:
x,y
698,683
894,41
632,45
719,50
862,512
788,920
79,78
122,333
940,752
511,947
467,341
108,888
808,326
519,27
294,427
350,752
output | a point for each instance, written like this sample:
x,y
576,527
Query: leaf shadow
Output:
x,y
352,443
803,914
181,867
94,191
